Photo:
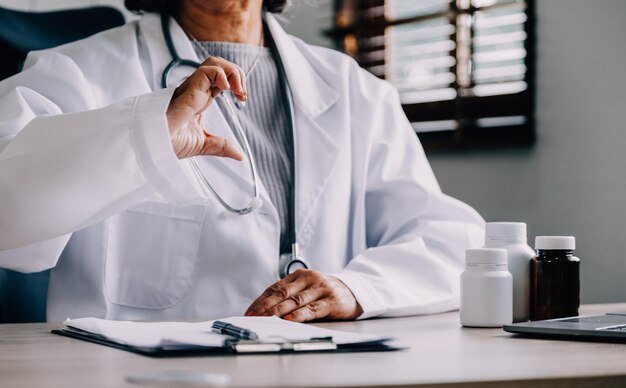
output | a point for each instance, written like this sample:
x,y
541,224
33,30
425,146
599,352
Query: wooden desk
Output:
x,y
441,353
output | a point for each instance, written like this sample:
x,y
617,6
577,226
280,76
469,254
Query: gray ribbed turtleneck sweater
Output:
x,y
264,120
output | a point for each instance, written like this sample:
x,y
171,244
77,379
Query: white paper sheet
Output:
x,y
186,334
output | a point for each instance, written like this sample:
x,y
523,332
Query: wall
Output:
x,y
573,181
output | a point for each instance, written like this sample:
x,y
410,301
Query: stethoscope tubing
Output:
x,y
177,61
251,162
172,65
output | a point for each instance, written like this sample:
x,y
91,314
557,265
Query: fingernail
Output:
x,y
288,317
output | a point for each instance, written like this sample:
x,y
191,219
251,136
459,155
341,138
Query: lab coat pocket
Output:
x,y
152,251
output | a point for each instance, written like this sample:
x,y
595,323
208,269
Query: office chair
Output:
x,y
23,296
21,32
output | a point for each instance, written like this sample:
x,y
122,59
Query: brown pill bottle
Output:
x,y
554,278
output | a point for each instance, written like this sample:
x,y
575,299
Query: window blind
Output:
x,y
463,68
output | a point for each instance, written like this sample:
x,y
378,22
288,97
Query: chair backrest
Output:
x,y
21,32
23,296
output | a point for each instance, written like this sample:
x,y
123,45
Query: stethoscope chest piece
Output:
x,y
288,263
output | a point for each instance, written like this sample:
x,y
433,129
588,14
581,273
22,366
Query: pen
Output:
x,y
234,331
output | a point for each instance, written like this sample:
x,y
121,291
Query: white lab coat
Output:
x,y
89,185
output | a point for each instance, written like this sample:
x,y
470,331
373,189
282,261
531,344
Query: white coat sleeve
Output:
x,y
416,235
67,163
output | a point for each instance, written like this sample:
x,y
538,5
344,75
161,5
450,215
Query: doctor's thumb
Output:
x,y
218,146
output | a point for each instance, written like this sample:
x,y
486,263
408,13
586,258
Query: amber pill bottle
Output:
x,y
554,278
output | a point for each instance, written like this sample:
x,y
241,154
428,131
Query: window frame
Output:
x,y
354,23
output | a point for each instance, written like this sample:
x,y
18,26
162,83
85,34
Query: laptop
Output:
x,y
606,327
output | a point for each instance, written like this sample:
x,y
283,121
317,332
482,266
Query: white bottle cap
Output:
x,y
555,242
499,231
486,256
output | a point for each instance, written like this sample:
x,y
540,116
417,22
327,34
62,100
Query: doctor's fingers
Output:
x,y
296,301
282,290
338,302
218,146
234,75
212,79
319,309
195,94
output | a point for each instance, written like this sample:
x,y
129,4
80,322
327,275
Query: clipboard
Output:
x,y
234,347
228,336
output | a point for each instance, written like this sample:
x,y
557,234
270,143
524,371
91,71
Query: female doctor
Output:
x,y
162,168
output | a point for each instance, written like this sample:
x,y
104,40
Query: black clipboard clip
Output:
x,y
253,346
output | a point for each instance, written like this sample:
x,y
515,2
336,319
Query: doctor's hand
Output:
x,y
194,96
306,295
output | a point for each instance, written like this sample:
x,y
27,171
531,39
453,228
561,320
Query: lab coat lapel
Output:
x,y
214,168
316,149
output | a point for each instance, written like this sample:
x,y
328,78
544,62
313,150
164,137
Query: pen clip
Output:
x,y
312,345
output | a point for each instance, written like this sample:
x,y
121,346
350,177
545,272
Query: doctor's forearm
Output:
x,y
64,172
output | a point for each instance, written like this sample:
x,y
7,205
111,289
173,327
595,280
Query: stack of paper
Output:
x,y
185,335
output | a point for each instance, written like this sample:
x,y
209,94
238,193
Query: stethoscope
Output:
x,y
288,262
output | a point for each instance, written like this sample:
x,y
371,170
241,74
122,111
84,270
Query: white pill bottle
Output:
x,y
486,289
512,237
